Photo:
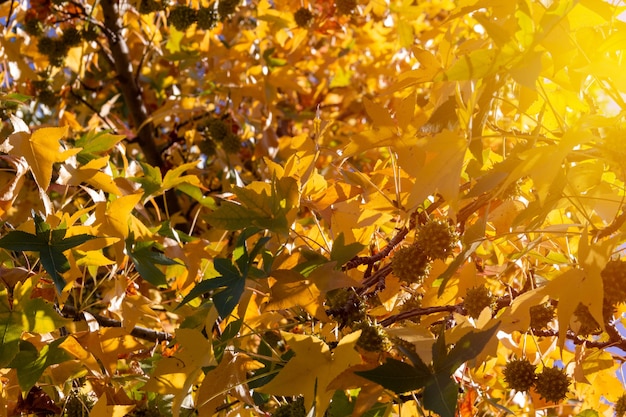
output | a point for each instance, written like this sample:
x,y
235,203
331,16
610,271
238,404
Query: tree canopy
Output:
x,y
321,208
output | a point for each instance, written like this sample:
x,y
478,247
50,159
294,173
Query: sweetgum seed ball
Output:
x,y
541,315
149,6
476,299
231,143
227,7
519,374
345,306
552,384
207,147
588,324
181,17
292,409
620,406
207,18
346,6
71,37
303,17
217,129
410,264
373,337
438,238
614,281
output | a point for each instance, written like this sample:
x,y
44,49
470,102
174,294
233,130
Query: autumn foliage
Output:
x,y
322,208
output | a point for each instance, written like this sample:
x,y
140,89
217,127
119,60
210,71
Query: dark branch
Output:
x,y
138,332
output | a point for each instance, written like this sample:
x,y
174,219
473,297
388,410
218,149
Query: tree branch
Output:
x,y
131,91
155,336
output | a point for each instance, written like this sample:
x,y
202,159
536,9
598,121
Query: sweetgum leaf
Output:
x,y
397,376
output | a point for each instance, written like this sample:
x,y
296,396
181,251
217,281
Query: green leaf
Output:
x,y
230,286
146,258
49,243
468,347
397,376
440,395
151,181
95,144
25,314
30,364
342,253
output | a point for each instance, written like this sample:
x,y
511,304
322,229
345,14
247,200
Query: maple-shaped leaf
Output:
x,y
30,364
440,390
581,285
90,173
23,314
229,377
154,183
50,243
41,150
313,368
146,257
103,409
263,205
95,143
230,285
176,374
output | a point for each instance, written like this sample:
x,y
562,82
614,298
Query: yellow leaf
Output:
x,y
173,177
313,368
380,116
116,218
292,289
102,409
77,350
436,164
574,287
90,173
175,375
12,184
231,376
41,150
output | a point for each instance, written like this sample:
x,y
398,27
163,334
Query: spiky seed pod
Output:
x,y
71,37
303,17
231,143
216,129
476,299
207,147
519,374
346,6
207,18
410,264
345,306
48,98
588,325
373,337
149,6
227,7
541,315
614,281
55,49
33,27
292,409
78,405
181,17
620,406
90,33
438,238
552,384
